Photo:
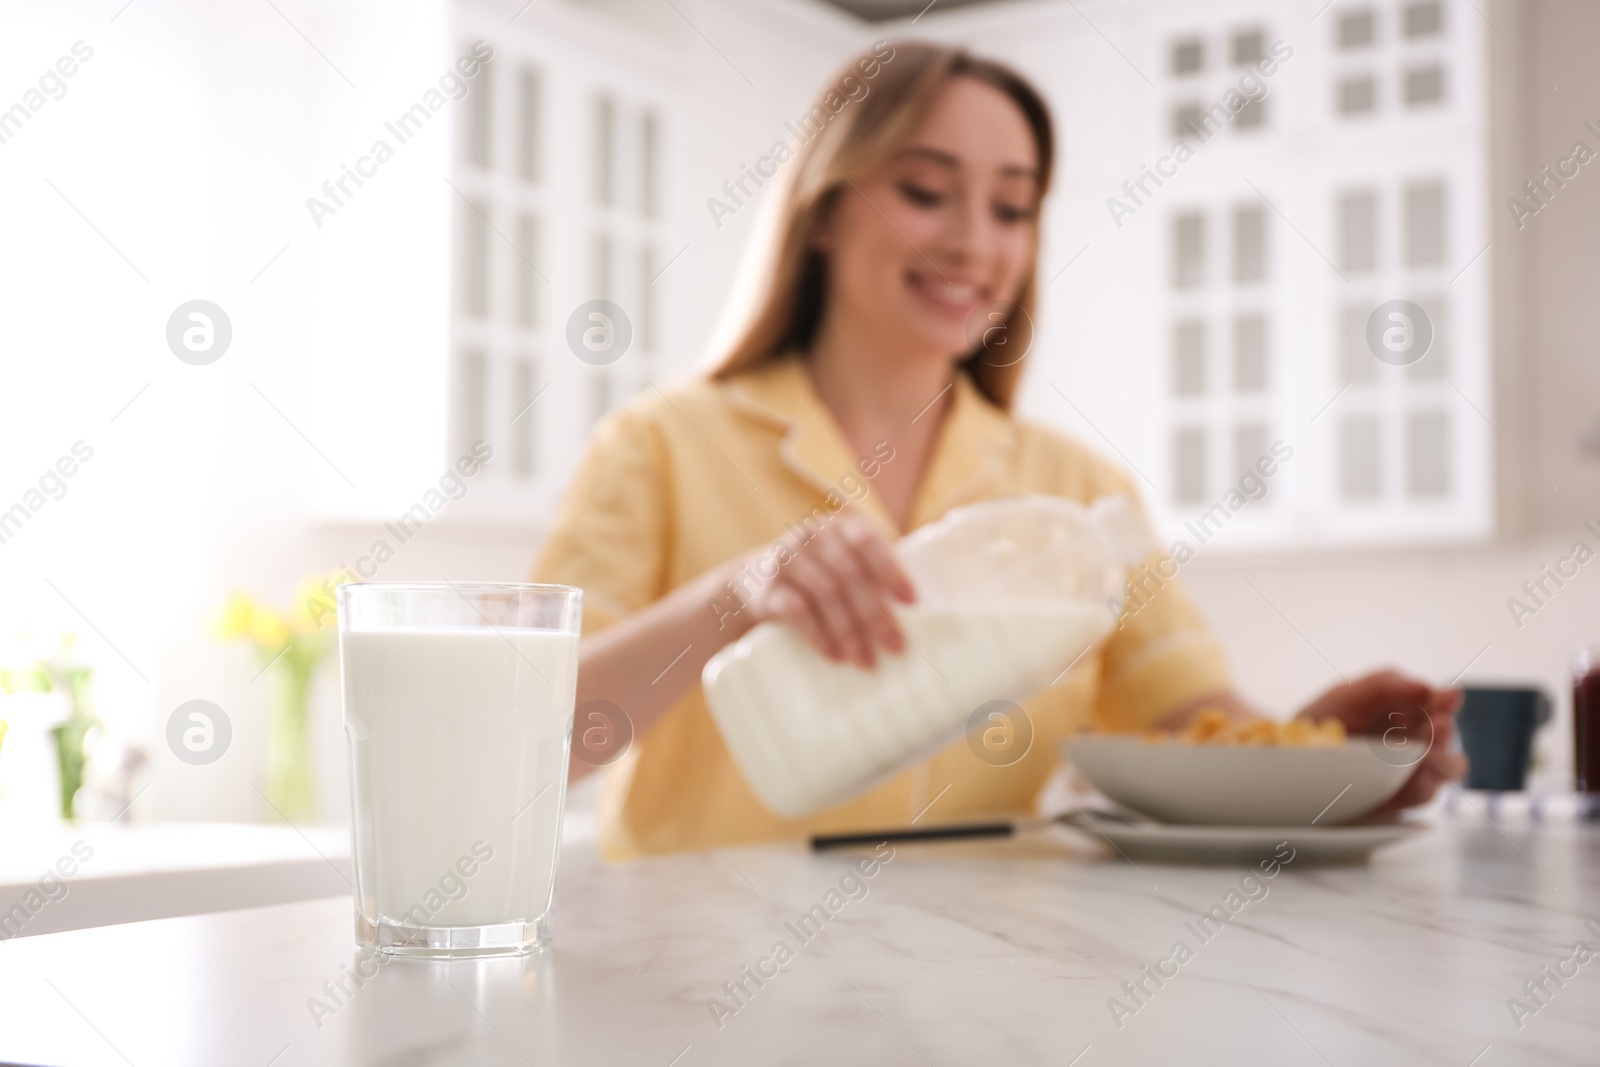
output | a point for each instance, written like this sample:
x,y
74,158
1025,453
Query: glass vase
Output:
x,y
291,787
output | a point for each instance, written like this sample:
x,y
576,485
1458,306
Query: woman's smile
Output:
x,y
957,300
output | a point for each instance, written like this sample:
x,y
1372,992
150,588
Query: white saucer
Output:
x,y
1167,843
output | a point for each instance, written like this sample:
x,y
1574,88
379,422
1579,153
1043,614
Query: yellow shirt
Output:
x,y
677,482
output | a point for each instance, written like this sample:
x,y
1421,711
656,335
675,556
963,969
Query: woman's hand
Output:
x,y
835,586
1409,717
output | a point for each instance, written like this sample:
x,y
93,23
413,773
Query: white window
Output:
x,y
1423,85
472,392
558,197
526,296
1252,358
603,134
1248,47
1189,358
1434,366
1357,366
1267,319
1425,224
1358,231
1428,452
530,112
1250,244
1399,436
524,445
477,129
1188,57
1360,458
1358,95
649,164
497,252
1357,29
1186,120
625,256
1189,466
645,328
1188,251
1252,442
1425,19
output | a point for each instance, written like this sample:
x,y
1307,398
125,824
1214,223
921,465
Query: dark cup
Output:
x,y
1586,725
1497,727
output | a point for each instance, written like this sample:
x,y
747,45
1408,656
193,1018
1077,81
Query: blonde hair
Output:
x,y
859,138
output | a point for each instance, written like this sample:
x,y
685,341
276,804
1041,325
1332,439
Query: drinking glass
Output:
x,y
458,714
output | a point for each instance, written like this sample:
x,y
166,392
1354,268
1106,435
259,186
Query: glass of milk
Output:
x,y
458,709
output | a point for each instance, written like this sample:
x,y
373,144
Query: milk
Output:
x,y
808,732
458,757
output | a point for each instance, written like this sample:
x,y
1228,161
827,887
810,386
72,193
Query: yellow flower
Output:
x,y
267,629
234,621
315,605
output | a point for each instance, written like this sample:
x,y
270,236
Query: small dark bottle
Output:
x,y
1586,728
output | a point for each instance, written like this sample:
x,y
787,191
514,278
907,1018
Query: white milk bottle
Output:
x,y
1010,594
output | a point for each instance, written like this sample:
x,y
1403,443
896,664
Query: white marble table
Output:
x,y
997,953
116,873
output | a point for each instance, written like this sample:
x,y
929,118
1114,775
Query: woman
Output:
x,y
859,404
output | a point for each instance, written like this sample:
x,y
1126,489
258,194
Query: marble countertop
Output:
x,y
1007,952
96,874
